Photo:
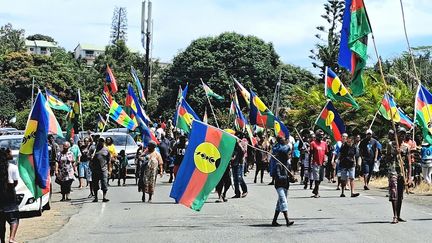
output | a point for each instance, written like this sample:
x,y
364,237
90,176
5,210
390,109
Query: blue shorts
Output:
x,y
84,170
347,173
367,167
282,203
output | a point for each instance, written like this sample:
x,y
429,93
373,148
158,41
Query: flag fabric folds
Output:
x,y
246,95
423,112
280,129
353,45
184,116
205,118
240,121
117,113
55,103
206,159
185,90
138,84
336,91
33,163
399,116
106,96
259,113
210,93
110,80
100,123
72,127
330,122
53,127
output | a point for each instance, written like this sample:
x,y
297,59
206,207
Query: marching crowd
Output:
x,y
309,155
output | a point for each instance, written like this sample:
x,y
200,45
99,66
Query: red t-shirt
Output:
x,y
318,150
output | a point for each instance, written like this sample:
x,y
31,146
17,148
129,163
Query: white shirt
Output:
x,y
159,133
12,173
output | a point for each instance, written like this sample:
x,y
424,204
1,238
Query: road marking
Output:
x,y
102,208
369,197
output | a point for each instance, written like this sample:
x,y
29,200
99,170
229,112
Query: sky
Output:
x,y
289,24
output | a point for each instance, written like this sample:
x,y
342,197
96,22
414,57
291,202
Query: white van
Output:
x,y
123,141
28,205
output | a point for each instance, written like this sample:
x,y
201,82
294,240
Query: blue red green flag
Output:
x,y
353,44
110,80
259,113
72,126
389,107
330,122
184,116
33,158
336,91
56,103
207,156
423,112
280,129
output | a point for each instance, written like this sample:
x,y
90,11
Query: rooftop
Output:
x,y
91,47
40,43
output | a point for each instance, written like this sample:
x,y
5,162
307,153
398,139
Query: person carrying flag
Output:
x,y
318,150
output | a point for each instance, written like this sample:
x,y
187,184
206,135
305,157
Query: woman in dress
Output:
x,y
152,160
65,171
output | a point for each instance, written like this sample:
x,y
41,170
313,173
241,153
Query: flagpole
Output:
x,y
106,122
373,120
398,155
211,107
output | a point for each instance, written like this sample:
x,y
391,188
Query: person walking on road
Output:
x,y
109,143
123,163
152,161
347,154
99,167
65,171
282,185
237,169
261,158
318,149
426,161
76,151
369,153
8,204
84,171
178,152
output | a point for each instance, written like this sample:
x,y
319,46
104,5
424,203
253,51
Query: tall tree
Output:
x,y
119,25
327,49
11,40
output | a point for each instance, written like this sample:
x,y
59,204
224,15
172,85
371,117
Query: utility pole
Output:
x,y
146,35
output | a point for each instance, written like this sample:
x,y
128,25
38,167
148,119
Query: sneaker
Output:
x,y
337,189
105,200
236,196
355,194
244,194
95,200
343,195
276,224
366,188
290,223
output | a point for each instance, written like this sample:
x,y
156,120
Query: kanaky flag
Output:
x,y
33,158
336,91
388,107
353,44
423,112
280,129
55,103
110,80
330,122
184,116
206,159
72,127
246,95
259,113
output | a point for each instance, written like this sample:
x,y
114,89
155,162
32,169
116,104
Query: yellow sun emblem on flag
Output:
x,y
206,157
329,119
338,88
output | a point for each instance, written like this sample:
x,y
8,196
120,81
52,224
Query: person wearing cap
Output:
x,y
369,153
152,161
426,161
318,150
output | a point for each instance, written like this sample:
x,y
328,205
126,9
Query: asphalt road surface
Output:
x,y
329,218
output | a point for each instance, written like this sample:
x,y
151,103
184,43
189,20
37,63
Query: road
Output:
x,y
329,218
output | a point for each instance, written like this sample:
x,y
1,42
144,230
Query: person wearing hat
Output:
x,y
152,160
426,161
369,154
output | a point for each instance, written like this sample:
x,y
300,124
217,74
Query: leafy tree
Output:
x,y
119,25
11,40
40,37
217,60
7,104
327,49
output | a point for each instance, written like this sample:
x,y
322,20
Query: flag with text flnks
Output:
x,y
138,84
353,44
207,156
185,115
331,123
55,103
259,113
72,126
423,112
117,113
210,93
336,91
110,80
388,107
33,158
245,94
280,129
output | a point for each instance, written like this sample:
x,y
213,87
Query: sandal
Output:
x,y
290,223
395,220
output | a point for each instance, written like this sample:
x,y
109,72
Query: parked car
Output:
x,y
123,141
7,130
28,205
